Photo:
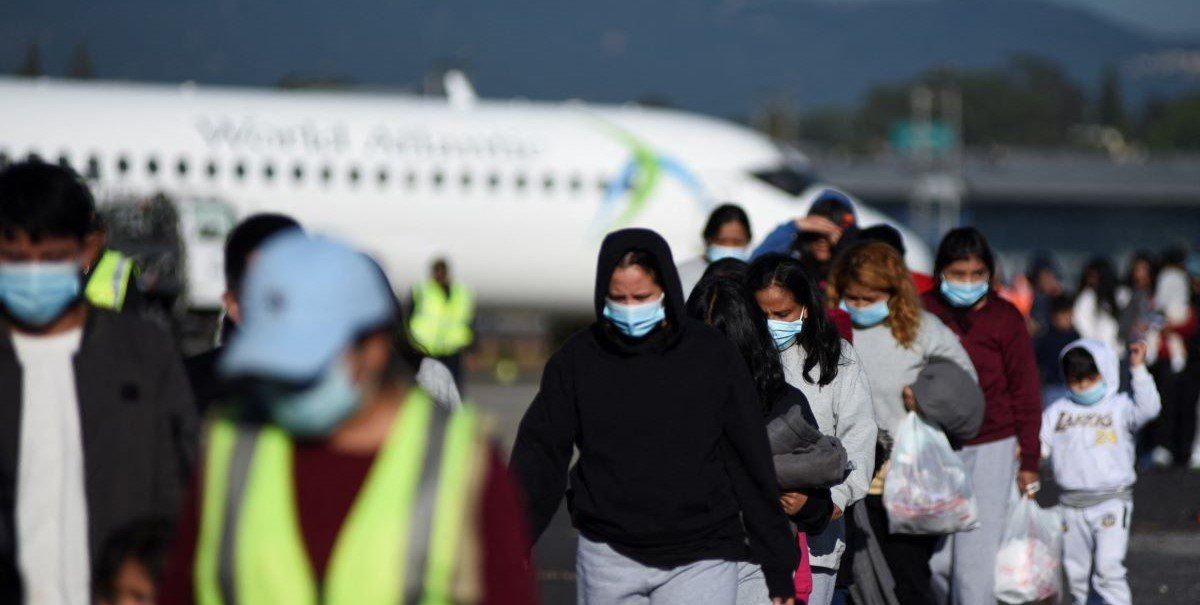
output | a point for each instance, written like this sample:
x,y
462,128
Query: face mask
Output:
x,y
963,294
870,315
319,409
716,253
1090,396
37,293
635,321
784,332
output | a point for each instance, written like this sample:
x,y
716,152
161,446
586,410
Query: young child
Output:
x,y
1089,436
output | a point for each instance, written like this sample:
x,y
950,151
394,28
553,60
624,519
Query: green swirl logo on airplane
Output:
x,y
629,193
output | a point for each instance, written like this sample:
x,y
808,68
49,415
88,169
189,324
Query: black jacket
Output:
x,y
673,453
137,423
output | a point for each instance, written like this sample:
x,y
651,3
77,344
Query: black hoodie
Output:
x,y
673,454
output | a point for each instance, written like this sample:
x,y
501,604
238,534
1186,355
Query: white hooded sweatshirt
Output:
x,y
1092,446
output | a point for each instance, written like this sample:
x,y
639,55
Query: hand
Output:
x,y
837,513
792,502
1137,354
783,601
1028,482
910,400
821,225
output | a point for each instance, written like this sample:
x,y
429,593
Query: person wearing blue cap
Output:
x,y
331,478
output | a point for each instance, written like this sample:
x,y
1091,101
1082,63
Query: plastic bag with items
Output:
x,y
1028,566
927,489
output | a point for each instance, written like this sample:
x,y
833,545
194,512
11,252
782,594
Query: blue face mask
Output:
x,y
635,321
784,332
1090,396
870,315
716,253
36,294
319,409
963,294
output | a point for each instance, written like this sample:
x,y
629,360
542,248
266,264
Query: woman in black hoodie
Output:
x,y
659,406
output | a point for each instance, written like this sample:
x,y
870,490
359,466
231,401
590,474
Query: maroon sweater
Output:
x,y
326,485
999,345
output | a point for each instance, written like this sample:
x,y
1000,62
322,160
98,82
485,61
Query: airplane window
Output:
x,y
4,160
297,173
122,165
212,169
410,179
493,181
382,176
786,179
64,160
33,156
269,172
93,167
152,166
239,170
438,178
576,183
181,167
465,179
326,174
602,184
521,182
353,176
548,183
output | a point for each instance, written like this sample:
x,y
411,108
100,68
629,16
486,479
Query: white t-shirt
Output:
x,y
52,535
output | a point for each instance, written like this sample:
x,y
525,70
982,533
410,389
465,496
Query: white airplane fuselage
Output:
x,y
516,194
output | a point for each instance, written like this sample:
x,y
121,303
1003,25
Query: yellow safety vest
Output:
x,y
441,324
109,281
410,536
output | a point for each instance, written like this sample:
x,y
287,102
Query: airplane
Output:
x,y
515,193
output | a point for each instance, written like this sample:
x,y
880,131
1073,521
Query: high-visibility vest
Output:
x,y
109,281
411,535
441,324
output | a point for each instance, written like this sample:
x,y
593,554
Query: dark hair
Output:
x,y
1078,364
727,267
836,207
1062,303
726,213
144,541
44,200
1142,256
962,244
246,238
1106,283
822,345
724,304
883,233
641,258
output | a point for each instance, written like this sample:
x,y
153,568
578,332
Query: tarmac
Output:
x,y
1164,549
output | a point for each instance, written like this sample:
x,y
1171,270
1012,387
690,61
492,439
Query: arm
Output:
x,y
856,429
545,442
945,343
1146,401
179,437
748,461
777,240
1024,391
1046,431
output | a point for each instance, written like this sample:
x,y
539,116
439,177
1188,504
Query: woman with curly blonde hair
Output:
x,y
896,339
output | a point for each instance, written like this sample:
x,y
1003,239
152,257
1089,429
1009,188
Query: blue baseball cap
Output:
x,y
303,302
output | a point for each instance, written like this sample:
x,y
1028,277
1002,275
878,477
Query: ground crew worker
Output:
x,y
442,312
330,445
110,278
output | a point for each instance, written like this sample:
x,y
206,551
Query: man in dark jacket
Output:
x,y
97,427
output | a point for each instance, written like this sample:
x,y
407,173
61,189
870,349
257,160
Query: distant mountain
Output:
x,y
717,56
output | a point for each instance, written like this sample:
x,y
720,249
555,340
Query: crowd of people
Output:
x,y
723,432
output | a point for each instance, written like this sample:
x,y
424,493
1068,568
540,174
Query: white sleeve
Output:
x,y
1084,317
943,342
1047,430
1146,401
856,428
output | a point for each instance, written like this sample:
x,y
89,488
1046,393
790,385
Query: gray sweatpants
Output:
x,y
606,577
964,565
1094,551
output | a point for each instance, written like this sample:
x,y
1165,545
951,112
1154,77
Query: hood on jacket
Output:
x,y
616,244
1106,362
835,206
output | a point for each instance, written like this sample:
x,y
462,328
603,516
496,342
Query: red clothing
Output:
x,y
326,484
923,282
999,345
841,321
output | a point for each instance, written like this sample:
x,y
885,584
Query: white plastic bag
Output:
x,y
927,489
1029,564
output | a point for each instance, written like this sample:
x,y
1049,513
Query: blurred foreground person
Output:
x,y
1004,455
726,235
674,469
441,312
829,372
331,479
1089,437
899,342
240,248
807,463
97,426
